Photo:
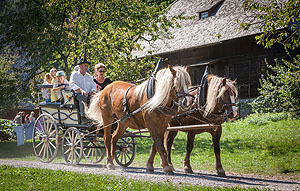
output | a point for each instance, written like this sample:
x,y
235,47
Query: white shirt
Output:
x,y
85,82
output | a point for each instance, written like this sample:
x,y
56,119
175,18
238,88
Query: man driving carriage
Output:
x,y
84,86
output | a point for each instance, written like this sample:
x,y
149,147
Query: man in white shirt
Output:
x,y
84,86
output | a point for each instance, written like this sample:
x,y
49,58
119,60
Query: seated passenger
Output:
x,y
60,84
54,79
99,77
84,86
46,92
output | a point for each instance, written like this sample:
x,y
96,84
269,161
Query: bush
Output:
x,y
263,118
280,90
6,130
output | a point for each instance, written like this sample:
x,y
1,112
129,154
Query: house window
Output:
x,y
229,72
203,15
262,66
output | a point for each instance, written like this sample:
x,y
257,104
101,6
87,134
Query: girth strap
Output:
x,y
127,111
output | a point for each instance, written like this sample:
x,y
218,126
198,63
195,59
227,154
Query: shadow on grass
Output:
x,y
11,150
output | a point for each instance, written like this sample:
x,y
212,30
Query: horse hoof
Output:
x,y
188,171
110,167
151,171
172,167
221,173
169,172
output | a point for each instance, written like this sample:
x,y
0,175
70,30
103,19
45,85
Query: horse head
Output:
x,y
226,98
221,94
181,84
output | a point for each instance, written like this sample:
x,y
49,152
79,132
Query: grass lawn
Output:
x,y
40,179
266,144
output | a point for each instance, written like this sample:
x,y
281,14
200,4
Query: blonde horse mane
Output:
x,y
213,92
164,82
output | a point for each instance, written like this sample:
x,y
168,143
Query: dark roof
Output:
x,y
221,25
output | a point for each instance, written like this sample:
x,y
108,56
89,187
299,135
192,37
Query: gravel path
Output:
x,y
199,178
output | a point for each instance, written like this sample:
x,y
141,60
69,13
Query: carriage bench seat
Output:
x,y
50,104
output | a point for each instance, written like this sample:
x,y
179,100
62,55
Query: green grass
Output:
x,y
267,144
39,179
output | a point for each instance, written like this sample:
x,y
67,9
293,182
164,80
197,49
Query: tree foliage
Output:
x,y
278,19
280,90
56,33
280,22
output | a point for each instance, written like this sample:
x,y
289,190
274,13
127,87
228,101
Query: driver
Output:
x,y
84,86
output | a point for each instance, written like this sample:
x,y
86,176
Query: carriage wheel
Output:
x,y
45,138
94,149
125,151
72,146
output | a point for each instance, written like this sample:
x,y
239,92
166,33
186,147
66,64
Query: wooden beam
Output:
x,y
178,128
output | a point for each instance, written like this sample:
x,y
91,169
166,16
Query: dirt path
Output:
x,y
200,178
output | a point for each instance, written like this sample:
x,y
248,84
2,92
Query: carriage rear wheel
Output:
x,y
72,146
45,138
125,151
94,149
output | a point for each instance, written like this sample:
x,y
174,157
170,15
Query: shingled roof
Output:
x,y
219,26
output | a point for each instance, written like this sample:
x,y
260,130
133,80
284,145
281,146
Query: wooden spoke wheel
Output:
x,y
94,149
45,138
125,151
72,146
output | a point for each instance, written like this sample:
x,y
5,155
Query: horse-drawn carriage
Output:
x,y
135,107
59,124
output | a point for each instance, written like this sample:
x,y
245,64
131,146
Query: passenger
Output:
x,y
84,86
54,97
99,77
60,84
47,91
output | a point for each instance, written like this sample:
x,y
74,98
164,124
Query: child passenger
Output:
x,y
60,84
47,91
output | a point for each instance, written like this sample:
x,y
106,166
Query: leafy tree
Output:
x,y
279,21
56,33
280,90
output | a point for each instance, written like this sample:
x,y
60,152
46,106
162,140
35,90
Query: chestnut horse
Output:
x,y
129,105
219,103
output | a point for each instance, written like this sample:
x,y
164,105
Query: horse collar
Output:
x,y
202,88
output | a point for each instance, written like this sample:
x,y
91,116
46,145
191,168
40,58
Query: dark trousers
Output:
x,y
81,98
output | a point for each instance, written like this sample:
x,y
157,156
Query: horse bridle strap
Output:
x,y
173,110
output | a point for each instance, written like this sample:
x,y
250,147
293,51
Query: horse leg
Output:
x,y
158,143
189,147
149,165
169,143
216,141
119,132
107,142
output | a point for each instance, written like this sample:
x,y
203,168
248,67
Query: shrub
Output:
x,y
280,89
6,130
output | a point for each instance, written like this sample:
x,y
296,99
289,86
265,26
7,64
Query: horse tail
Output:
x,y
93,111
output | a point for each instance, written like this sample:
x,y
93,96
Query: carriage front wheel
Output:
x,y
72,146
45,138
125,151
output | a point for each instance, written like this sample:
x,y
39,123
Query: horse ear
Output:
x,y
235,81
172,70
186,68
224,81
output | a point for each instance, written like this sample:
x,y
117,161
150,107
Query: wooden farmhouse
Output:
x,y
213,38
